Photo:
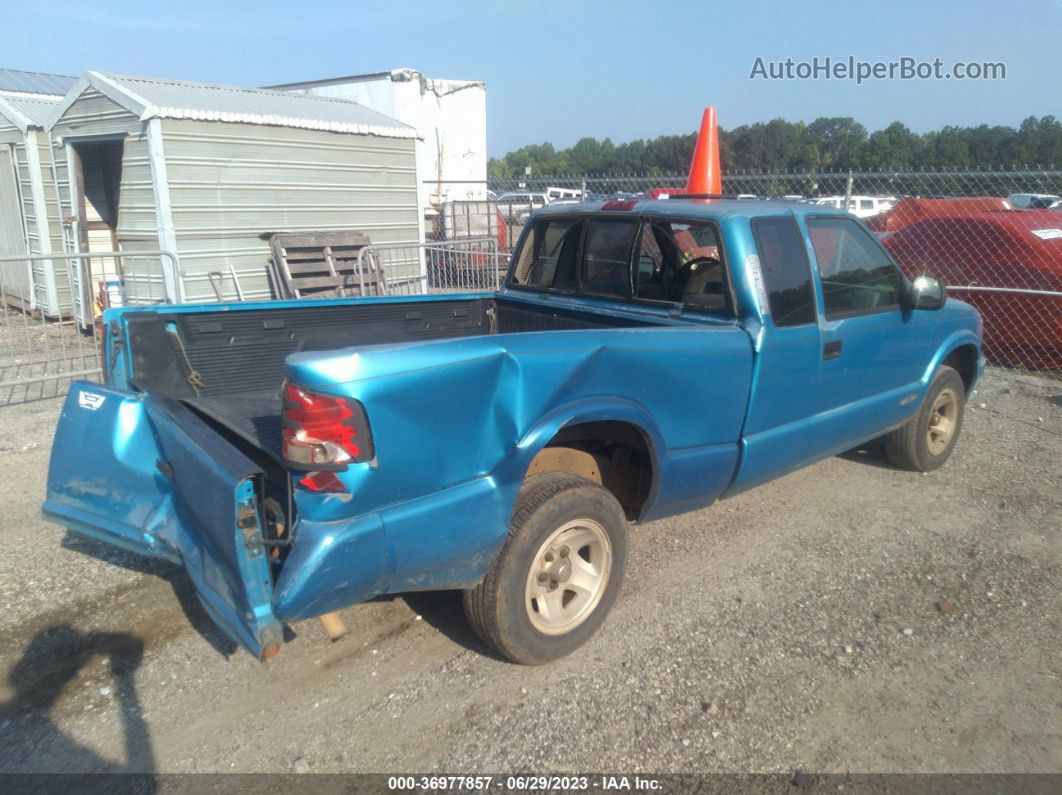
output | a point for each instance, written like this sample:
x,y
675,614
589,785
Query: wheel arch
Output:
x,y
963,359
614,442
960,351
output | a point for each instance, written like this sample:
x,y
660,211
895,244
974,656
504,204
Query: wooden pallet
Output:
x,y
322,265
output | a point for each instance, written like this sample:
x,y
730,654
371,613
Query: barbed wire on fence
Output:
x,y
984,182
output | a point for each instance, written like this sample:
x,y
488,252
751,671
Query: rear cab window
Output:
x,y
681,262
607,257
549,255
644,259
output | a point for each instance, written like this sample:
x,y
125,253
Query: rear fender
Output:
x,y
510,473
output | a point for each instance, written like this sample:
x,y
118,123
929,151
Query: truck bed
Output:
x,y
239,355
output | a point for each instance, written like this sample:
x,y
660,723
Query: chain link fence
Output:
x,y
994,237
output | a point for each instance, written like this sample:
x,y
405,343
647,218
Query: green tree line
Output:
x,y
825,145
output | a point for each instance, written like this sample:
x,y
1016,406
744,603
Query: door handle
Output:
x,y
831,350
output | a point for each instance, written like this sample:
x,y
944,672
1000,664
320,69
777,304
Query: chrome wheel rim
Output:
x,y
942,419
568,577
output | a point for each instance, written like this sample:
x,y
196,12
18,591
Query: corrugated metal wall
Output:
x,y
12,234
12,238
50,296
232,183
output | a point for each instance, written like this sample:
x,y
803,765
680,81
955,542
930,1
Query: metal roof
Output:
x,y
400,75
35,82
172,99
27,112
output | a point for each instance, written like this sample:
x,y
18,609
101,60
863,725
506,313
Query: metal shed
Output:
x,y
29,213
206,171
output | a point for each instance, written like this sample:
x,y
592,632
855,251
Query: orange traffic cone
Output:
x,y
706,176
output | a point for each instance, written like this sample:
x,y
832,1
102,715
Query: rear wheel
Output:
x,y
928,438
558,573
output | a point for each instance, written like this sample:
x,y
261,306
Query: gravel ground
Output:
x,y
847,618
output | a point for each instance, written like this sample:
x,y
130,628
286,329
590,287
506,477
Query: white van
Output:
x,y
860,206
563,194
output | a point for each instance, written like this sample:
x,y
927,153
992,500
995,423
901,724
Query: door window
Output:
x,y
786,273
857,276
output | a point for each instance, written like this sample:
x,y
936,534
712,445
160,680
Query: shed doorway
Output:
x,y
99,180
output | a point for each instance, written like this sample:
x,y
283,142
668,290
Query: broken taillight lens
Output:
x,y
323,432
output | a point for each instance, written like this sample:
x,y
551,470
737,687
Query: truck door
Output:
x,y
144,472
778,432
874,351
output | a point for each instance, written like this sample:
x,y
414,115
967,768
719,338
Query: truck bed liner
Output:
x,y
255,416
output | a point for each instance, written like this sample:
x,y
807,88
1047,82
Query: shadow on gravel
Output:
x,y
443,611
50,662
1056,400
173,574
872,453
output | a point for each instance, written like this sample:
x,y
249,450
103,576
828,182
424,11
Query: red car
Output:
x,y
909,210
1012,249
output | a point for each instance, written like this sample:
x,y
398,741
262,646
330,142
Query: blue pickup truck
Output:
x,y
643,359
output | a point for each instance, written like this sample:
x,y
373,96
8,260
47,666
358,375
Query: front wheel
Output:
x,y
557,574
926,441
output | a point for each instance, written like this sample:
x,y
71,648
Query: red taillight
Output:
x,y
322,481
619,204
323,432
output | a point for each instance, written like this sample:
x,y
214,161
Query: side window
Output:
x,y
607,258
649,276
786,273
857,276
548,256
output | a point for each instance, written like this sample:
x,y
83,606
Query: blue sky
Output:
x,y
558,70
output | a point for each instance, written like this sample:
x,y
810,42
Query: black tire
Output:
x,y
498,608
910,446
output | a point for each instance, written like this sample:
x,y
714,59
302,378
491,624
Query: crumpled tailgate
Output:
x,y
145,473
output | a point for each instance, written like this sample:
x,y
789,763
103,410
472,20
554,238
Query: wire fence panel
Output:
x,y
44,344
454,266
994,237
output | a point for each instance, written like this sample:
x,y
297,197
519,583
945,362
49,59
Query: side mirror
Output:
x,y
927,293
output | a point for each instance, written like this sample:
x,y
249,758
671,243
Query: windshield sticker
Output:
x,y
1048,234
90,400
755,277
